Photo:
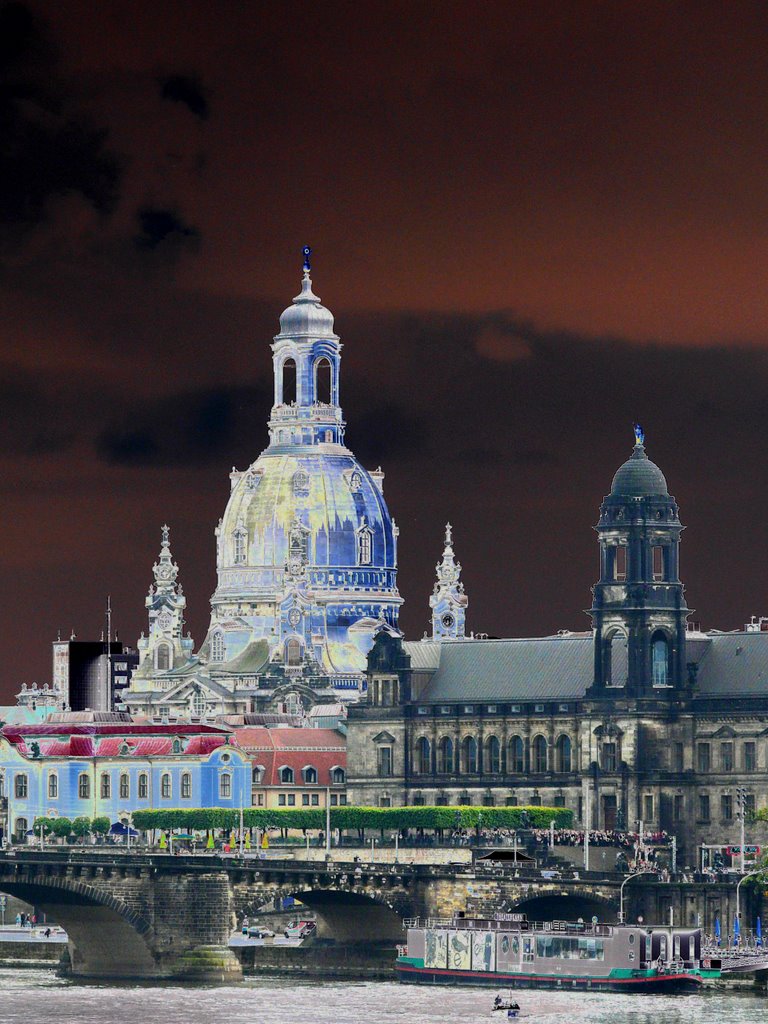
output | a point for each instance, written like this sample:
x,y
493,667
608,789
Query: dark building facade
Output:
x,y
643,718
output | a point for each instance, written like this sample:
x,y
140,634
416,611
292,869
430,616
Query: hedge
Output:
x,y
355,818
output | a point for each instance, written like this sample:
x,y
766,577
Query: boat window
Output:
x,y
568,948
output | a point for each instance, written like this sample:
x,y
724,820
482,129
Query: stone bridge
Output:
x,y
154,915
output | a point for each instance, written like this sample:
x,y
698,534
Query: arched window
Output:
x,y
125,786
660,659
364,546
539,754
338,776
163,657
176,746
563,754
423,760
198,703
516,761
355,482
106,786
84,786
492,755
301,483
165,786
293,652
445,756
186,786
289,381
53,786
22,827
217,646
240,545
469,755
615,661
323,378
143,787
225,786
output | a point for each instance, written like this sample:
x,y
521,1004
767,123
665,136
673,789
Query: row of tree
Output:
x,y
64,827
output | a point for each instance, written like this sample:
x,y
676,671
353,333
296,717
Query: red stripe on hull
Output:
x,y
437,975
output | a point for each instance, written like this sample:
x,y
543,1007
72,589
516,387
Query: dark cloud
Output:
x,y
389,430
164,227
49,147
192,428
187,90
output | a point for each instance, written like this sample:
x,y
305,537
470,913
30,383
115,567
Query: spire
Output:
x,y
165,569
638,451
306,294
448,601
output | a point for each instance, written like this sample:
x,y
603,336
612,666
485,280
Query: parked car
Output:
x,y
257,932
299,929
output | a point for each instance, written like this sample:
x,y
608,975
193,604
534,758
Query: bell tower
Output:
x,y
638,606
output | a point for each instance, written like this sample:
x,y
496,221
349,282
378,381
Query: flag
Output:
x,y
736,931
717,930
759,932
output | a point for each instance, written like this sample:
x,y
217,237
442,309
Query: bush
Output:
x,y
62,827
45,823
101,825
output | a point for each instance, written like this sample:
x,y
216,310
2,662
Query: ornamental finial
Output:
x,y
306,252
448,534
639,434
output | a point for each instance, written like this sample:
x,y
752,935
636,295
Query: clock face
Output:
x,y
448,620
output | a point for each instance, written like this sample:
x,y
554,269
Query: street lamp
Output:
x,y
751,874
621,891
741,801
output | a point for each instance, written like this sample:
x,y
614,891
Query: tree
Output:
x,y
81,826
100,826
62,827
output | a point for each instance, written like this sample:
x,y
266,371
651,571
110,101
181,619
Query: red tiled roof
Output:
x,y
14,732
253,738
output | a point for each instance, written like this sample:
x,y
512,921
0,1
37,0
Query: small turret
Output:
x,y
448,601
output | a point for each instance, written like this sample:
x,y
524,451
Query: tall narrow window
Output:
x,y
608,757
726,756
384,758
704,757
293,652
750,759
165,786
615,661
225,786
125,786
240,545
84,787
657,554
539,754
621,562
163,657
289,381
423,764
186,786
648,807
516,762
469,755
660,660
143,787
445,756
106,786
21,787
492,755
53,786
323,381
364,546
217,646
563,754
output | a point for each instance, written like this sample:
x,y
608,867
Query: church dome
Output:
x,y
306,317
639,477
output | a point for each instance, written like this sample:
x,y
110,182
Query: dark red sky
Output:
x,y
534,223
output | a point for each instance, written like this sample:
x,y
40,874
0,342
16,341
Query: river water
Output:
x,y
40,997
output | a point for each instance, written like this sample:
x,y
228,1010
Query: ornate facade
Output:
x,y
643,718
306,556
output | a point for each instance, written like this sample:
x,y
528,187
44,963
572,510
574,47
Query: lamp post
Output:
x,y
741,801
750,874
621,891
327,819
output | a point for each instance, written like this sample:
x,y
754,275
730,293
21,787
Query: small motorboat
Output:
x,y
508,1006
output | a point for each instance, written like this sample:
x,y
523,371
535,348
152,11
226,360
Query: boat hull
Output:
x,y
671,983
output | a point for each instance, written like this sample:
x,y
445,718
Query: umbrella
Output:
x,y
210,843
759,933
163,841
119,828
717,930
248,843
736,931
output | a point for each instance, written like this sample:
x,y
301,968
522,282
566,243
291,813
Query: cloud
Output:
x,y
190,428
50,148
187,90
386,431
501,344
164,227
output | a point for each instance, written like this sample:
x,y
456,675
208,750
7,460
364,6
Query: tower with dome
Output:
x,y
306,555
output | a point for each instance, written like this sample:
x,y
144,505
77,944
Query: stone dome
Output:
x,y
306,317
639,477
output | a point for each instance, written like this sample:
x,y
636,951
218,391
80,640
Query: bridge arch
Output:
x,y
566,906
107,938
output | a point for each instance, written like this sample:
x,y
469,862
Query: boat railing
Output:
x,y
402,950
411,922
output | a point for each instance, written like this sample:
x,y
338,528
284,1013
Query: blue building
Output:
x,y
73,765
306,555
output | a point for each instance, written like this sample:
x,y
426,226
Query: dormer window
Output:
x,y
176,746
355,482
257,774
286,775
338,775
301,483
217,646
124,749
309,773
240,545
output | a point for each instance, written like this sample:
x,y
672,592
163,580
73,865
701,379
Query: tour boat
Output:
x,y
511,951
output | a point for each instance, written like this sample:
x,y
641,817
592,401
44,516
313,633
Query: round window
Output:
x,y
225,758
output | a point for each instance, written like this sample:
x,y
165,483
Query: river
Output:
x,y
40,997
